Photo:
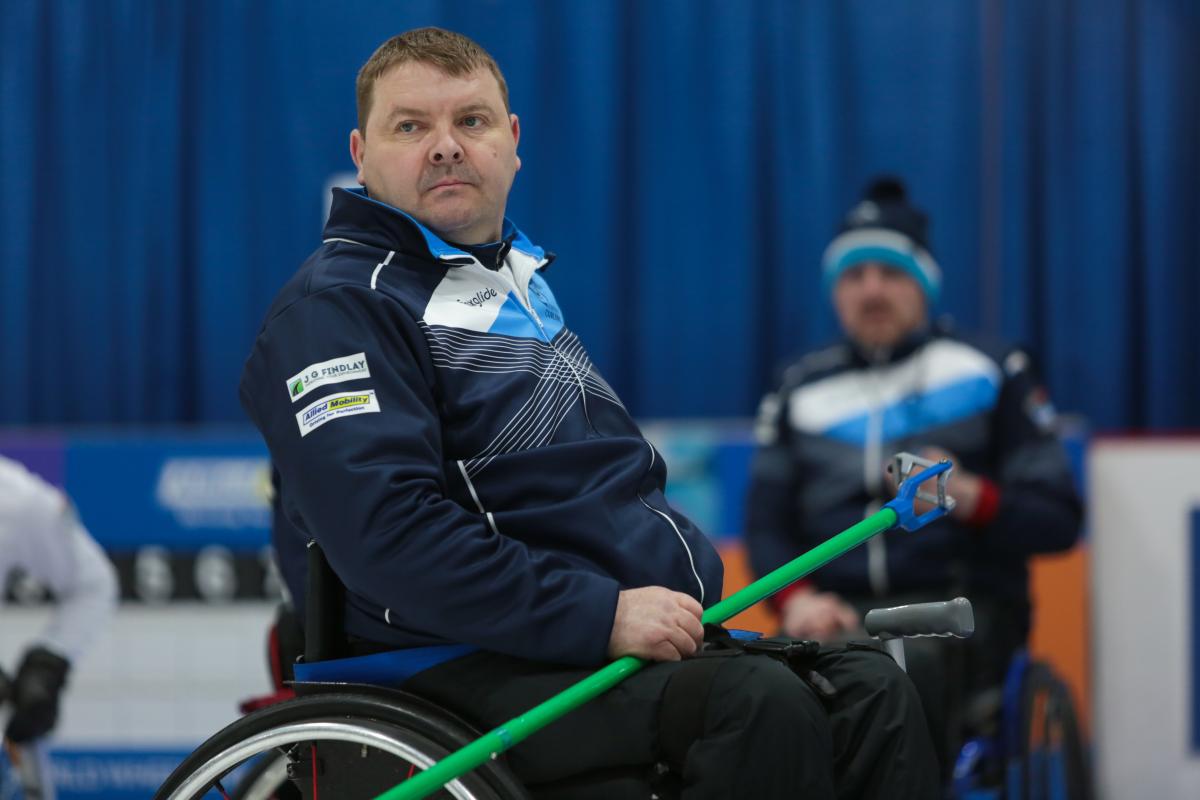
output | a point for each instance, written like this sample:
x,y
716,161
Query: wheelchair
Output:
x,y
1036,750
357,740
341,741
1017,741
346,740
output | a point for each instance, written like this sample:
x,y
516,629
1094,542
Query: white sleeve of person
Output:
x,y
41,535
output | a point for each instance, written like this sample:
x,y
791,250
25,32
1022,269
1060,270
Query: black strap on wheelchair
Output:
x,y
324,602
685,699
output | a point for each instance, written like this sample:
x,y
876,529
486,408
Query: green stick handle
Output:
x,y
518,729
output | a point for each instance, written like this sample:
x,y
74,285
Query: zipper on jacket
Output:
x,y
527,307
674,527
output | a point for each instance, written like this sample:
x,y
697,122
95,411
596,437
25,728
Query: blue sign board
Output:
x,y
102,774
182,493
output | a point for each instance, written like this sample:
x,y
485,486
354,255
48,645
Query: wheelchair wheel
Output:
x,y
267,779
1053,757
343,745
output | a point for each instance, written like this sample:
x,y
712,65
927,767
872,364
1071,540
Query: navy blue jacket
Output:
x,y
825,433
443,436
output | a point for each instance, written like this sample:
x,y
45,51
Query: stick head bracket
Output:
x,y
905,467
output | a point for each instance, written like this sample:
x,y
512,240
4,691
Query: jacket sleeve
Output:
x,y
1038,509
369,486
53,547
85,585
771,500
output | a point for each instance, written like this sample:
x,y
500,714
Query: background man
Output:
x,y
41,535
479,488
899,383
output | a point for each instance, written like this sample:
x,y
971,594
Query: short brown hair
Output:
x,y
450,52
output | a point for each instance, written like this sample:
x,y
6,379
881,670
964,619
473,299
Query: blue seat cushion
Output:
x,y
390,668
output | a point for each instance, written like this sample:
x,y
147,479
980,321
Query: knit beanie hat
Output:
x,y
884,227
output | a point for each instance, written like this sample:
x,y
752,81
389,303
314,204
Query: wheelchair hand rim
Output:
x,y
313,730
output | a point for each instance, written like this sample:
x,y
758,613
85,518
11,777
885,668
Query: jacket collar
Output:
x,y
863,357
356,216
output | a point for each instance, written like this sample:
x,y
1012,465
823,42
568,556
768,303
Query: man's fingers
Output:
x,y
692,627
824,629
689,604
665,651
682,641
849,618
822,616
656,623
793,630
838,615
805,628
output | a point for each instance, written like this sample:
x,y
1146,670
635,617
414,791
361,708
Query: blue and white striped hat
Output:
x,y
884,227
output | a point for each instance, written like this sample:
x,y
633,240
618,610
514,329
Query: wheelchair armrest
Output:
x,y
949,618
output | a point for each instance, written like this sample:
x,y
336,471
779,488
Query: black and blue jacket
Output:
x,y
826,432
442,434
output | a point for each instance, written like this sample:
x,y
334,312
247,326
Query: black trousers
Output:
x,y
765,732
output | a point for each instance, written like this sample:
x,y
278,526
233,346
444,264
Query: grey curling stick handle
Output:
x,y
948,618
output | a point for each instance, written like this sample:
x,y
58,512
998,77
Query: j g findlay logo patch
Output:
x,y
335,370
336,405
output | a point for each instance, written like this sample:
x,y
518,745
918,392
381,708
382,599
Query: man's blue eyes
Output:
x,y
468,122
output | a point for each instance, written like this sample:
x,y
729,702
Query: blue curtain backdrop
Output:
x,y
163,169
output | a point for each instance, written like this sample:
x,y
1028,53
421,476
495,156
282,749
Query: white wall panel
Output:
x,y
1142,498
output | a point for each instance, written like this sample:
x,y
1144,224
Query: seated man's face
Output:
x,y
441,148
878,304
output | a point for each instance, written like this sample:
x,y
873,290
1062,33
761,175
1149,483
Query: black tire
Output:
x,y
1056,723
1077,768
396,716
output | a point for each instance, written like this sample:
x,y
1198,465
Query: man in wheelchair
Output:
x,y
898,381
488,502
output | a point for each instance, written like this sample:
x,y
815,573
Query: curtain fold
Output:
x,y
164,170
